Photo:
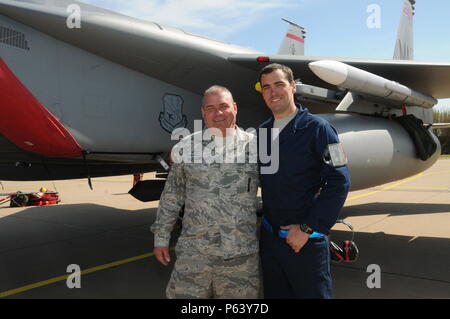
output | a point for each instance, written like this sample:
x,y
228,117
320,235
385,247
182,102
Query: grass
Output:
x,y
445,156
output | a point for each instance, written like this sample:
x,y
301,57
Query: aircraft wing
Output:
x,y
169,54
193,62
432,78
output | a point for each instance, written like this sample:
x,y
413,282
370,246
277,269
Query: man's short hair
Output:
x,y
276,66
216,89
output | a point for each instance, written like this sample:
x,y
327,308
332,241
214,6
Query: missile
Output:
x,y
354,79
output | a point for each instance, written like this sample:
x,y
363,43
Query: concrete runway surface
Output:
x,y
402,231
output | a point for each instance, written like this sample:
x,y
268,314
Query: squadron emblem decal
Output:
x,y
172,116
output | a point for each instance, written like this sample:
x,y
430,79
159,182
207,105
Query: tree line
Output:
x,y
443,134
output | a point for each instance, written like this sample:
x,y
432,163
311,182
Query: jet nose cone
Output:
x,y
333,72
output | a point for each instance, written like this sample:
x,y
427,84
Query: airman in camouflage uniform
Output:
x,y
217,251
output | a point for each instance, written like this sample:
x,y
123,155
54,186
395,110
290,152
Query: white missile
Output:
x,y
354,79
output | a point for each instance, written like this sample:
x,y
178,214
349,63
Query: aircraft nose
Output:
x,y
28,124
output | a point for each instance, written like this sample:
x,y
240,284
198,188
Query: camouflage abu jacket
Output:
x,y
218,188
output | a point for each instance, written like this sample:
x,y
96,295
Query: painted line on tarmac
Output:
x,y
400,183
128,260
83,272
386,187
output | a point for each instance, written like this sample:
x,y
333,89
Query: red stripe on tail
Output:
x,y
294,37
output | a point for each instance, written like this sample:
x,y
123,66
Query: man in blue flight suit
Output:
x,y
303,198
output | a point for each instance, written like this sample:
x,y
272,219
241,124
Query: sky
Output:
x,y
334,28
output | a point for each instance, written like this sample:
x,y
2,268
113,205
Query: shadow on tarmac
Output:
x,y
39,243
410,267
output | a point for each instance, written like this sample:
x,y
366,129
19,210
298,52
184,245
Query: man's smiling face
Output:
x,y
278,92
219,111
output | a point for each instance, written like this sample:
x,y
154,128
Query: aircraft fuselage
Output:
x,y
122,117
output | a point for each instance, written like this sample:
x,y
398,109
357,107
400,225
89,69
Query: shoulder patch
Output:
x,y
334,155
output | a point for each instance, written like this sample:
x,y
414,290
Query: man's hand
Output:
x,y
162,255
295,238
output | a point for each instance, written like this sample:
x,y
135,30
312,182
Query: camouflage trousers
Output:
x,y
201,276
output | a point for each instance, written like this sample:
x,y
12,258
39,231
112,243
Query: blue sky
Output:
x,y
334,28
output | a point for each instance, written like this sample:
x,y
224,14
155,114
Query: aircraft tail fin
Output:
x,y
404,50
294,41
404,47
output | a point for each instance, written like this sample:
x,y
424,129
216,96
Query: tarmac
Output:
x,y
402,230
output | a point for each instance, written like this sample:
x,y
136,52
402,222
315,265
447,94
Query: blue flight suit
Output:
x,y
304,190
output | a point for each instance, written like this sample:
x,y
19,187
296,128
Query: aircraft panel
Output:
x,y
75,86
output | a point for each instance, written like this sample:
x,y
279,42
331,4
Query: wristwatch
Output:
x,y
306,229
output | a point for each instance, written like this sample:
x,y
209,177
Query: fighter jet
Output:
x,y
89,92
